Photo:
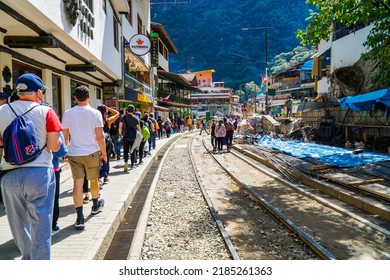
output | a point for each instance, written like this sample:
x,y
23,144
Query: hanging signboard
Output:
x,y
154,49
140,44
271,92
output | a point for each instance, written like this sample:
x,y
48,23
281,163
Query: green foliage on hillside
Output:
x,y
209,35
286,60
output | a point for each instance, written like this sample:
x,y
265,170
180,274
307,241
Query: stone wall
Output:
x,y
370,127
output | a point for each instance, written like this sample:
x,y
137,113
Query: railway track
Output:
x,y
256,213
329,229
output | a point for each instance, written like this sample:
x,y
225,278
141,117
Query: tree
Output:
x,y
350,13
284,61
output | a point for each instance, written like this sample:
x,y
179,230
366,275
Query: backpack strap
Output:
x,y
24,112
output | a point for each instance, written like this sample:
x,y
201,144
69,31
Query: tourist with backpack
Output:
x,y
145,136
203,126
212,135
229,134
28,181
108,121
128,131
168,127
288,104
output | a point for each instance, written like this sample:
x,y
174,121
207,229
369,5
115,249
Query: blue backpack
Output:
x,y
20,140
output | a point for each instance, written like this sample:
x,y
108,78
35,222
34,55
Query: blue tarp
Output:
x,y
364,102
307,66
335,156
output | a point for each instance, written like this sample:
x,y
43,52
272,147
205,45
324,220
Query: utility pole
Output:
x,y
240,97
266,59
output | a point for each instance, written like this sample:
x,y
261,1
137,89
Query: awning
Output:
x,y
364,102
176,104
178,79
195,89
307,66
211,95
161,108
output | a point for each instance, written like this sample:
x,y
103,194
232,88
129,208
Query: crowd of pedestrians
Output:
x,y
30,192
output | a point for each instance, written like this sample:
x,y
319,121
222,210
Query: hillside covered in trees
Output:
x,y
209,35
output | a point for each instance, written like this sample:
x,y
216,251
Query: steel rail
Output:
x,y
220,225
276,214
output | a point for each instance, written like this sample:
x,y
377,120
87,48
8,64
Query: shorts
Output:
x,y
85,166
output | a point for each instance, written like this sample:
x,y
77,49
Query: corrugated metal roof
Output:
x,y
307,66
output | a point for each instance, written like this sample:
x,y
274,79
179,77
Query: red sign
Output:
x,y
110,103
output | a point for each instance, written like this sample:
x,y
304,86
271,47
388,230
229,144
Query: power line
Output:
x,y
167,3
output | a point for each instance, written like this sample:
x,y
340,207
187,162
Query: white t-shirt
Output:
x,y
81,122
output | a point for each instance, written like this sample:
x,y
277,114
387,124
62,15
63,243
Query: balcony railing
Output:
x,y
137,85
172,97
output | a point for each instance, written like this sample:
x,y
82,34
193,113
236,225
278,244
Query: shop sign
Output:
x,y
110,103
143,98
140,44
271,92
154,49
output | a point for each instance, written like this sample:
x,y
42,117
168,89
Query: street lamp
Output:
x,y
266,59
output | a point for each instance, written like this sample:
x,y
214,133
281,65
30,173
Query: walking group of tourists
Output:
x,y
87,138
30,158
221,132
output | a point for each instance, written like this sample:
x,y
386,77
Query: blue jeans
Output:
x,y
150,141
28,195
118,146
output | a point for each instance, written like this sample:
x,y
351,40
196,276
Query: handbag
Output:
x,y
103,169
137,141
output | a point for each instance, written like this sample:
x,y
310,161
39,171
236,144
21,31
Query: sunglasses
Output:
x,y
43,90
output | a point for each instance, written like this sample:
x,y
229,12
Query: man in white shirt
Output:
x,y
84,137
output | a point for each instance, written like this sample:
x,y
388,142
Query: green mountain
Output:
x,y
209,35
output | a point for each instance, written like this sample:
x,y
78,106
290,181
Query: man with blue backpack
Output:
x,y
29,133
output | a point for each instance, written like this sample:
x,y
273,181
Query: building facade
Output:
x,y
77,42
67,43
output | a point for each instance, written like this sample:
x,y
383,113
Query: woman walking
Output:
x,y
107,122
220,134
212,133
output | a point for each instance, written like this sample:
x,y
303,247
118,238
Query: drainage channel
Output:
x,y
123,237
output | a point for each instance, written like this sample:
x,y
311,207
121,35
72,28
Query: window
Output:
x,y
56,94
139,24
116,36
98,93
130,15
165,53
89,4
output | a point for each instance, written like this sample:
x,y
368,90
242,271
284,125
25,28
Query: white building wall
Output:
x,y
53,13
162,62
347,50
344,52
323,85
